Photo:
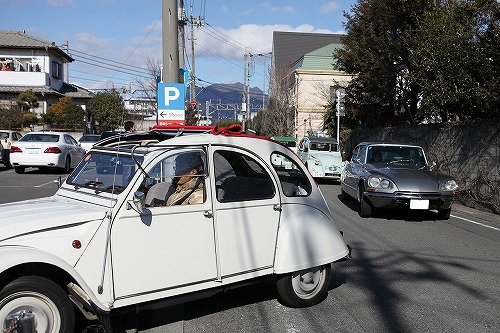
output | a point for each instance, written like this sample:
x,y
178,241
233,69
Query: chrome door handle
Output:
x,y
208,214
277,208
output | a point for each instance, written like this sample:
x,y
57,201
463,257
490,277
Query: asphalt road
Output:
x,y
409,273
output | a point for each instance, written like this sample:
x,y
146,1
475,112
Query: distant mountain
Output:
x,y
225,99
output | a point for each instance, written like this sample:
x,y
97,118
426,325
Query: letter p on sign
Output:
x,y
171,94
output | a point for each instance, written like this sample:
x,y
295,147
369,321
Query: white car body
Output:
x,y
113,252
322,156
46,150
87,141
7,138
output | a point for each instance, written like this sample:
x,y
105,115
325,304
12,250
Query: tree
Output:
x,y
65,113
447,55
420,60
280,103
27,99
73,116
376,51
262,123
108,109
11,118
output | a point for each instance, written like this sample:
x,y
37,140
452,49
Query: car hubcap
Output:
x,y
307,283
46,314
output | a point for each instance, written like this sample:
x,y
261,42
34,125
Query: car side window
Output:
x,y
354,154
178,179
239,177
293,180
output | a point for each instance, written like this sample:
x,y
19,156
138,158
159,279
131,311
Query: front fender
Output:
x,y
306,238
13,255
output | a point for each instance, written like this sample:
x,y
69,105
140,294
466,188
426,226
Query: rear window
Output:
x,y
35,137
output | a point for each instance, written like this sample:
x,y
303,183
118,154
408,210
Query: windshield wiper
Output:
x,y
407,160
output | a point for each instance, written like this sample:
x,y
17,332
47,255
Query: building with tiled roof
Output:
x,y
28,62
308,58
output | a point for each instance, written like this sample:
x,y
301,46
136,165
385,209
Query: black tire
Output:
x,y
67,165
51,307
365,209
444,214
19,169
304,288
343,194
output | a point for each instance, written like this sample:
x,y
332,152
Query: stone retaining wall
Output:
x,y
469,151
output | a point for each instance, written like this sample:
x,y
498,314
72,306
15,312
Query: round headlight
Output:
x,y
385,183
448,185
374,182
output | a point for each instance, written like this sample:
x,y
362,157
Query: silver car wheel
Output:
x,y
45,300
304,288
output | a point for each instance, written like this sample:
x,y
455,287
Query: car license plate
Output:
x,y
419,204
32,151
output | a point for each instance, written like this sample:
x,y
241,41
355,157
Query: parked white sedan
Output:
x,y
46,150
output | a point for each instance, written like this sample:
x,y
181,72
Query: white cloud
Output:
x,y
230,43
329,8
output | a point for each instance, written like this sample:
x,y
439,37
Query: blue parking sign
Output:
x,y
171,97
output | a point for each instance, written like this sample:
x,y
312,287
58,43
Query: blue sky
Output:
x,y
129,32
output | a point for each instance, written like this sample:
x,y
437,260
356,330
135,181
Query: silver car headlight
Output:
x,y
379,182
448,185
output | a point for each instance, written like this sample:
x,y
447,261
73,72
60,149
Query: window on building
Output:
x,y
56,70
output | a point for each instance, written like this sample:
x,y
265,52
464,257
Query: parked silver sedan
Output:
x,y
383,175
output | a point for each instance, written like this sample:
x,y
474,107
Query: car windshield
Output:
x,y
396,155
104,172
40,137
89,138
324,146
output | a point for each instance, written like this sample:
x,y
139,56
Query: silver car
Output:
x,y
394,175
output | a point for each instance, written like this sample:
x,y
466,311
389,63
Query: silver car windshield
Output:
x,y
396,155
104,172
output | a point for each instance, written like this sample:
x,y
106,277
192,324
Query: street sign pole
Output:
x,y
340,109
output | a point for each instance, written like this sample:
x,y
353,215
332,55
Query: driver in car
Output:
x,y
187,185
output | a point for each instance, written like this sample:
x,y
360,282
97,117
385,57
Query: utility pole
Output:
x,y
170,41
182,34
198,21
244,101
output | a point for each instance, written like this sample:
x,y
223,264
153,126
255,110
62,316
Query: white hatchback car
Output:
x,y
148,219
46,150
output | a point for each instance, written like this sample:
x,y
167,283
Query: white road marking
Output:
x,y
478,223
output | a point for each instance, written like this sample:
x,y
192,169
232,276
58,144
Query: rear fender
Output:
x,y
307,238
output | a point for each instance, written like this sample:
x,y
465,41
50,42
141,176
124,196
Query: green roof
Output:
x,y
319,59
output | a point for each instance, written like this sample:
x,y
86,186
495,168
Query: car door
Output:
x,y
73,149
247,214
353,170
165,247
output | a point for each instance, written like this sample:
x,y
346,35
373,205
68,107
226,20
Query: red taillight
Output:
x,y
53,150
15,149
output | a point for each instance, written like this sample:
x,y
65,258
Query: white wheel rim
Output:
x,y
308,283
47,317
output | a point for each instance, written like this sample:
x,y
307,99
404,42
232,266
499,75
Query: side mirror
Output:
x,y
433,165
139,201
